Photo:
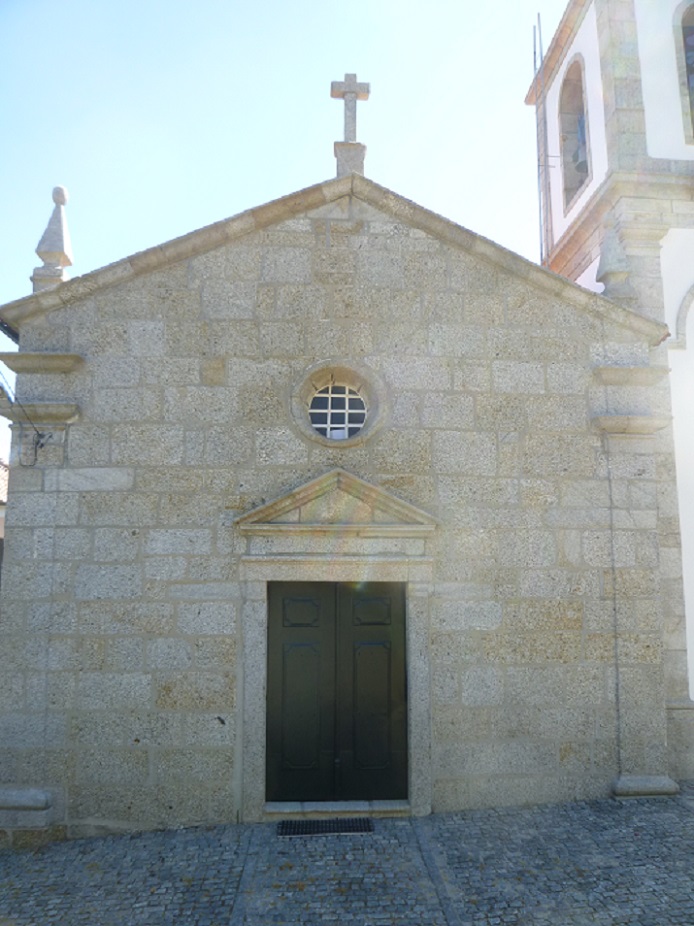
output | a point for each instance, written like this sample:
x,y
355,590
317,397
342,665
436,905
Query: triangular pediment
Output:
x,y
306,202
338,502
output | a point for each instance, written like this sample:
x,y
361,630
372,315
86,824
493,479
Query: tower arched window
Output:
x,y
688,49
573,125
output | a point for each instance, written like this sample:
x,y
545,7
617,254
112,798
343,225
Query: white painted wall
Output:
x,y
585,44
677,267
660,79
587,278
682,385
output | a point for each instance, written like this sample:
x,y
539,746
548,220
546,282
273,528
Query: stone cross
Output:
x,y
350,91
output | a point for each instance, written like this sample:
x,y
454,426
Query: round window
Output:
x,y
339,404
337,412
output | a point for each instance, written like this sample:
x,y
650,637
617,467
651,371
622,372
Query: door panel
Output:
x,y
372,707
301,682
336,707
371,692
301,706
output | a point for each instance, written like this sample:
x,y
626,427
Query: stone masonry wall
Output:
x,y
122,598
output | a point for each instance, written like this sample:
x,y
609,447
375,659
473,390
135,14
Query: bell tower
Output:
x,y
614,98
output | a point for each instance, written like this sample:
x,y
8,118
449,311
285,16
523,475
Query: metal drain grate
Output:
x,y
325,827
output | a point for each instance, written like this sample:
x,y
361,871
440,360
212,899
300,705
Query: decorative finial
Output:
x,y
54,248
613,268
349,153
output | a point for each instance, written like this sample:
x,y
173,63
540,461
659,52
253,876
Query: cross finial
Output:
x,y
350,91
349,153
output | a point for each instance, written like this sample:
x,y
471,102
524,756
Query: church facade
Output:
x,y
335,506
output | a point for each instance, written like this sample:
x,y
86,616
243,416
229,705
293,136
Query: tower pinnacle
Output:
x,y
54,248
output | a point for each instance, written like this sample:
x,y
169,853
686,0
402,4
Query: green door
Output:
x,y
336,695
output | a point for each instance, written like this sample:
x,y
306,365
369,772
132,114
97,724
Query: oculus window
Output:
x,y
339,404
337,412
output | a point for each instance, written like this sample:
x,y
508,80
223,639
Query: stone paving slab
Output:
x,y
604,862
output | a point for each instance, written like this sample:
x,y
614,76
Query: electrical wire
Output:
x,y
40,439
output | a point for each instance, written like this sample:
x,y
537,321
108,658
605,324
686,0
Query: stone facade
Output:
x,y
515,473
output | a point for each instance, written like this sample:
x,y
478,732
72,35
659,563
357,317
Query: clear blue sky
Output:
x,y
161,116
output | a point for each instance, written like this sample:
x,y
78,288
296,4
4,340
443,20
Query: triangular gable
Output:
x,y
301,203
338,502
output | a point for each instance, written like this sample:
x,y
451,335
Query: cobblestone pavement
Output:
x,y
602,862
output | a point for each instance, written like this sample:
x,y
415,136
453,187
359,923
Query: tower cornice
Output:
x,y
567,28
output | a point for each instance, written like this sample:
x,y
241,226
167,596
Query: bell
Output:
x,y
580,159
580,156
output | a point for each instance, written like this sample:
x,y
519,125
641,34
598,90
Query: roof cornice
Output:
x,y
261,217
567,28
189,245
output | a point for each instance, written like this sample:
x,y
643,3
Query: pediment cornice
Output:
x,y
338,503
301,203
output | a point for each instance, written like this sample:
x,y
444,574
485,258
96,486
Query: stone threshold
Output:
x,y
315,810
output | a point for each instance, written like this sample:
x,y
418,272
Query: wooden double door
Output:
x,y
337,692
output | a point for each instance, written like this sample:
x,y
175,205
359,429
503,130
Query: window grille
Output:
x,y
337,412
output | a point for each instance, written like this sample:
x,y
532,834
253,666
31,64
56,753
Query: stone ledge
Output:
x,y
41,362
683,705
25,808
48,413
627,786
24,799
630,424
629,376
327,558
341,528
